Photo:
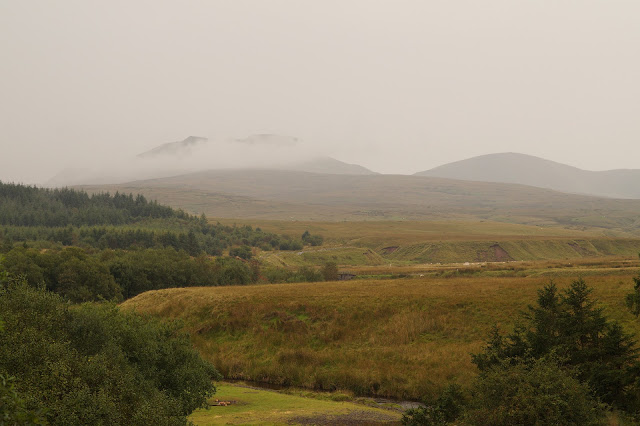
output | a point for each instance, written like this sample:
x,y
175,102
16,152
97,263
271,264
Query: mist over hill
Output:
x,y
175,148
194,154
534,171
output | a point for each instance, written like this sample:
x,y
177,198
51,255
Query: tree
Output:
x,y
447,408
633,299
570,325
13,408
330,271
92,364
514,392
243,252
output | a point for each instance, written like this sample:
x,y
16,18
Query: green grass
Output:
x,y
255,406
383,242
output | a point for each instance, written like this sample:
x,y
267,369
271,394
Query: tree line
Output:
x,y
90,275
75,218
82,276
23,205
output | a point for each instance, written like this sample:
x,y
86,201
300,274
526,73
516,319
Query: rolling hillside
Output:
x,y
403,338
529,170
272,194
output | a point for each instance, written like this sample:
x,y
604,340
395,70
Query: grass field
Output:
x,y
256,406
402,338
352,244
377,234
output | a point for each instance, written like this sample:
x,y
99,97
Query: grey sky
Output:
x,y
396,86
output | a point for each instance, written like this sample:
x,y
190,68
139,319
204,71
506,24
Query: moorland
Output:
x,y
247,262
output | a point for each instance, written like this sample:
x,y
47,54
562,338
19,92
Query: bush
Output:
x,y
92,364
330,271
542,393
446,409
571,326
243,252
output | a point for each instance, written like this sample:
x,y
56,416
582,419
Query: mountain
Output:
x,y
287,194
179,148
261,151
534,171
328,165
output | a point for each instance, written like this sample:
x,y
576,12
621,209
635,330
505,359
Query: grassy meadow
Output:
x,y
401,338
250,405
402,243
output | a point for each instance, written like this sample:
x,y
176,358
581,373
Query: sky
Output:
x,y
398,86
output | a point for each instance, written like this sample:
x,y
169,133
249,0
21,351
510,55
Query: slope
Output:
x,y
534,171
271,194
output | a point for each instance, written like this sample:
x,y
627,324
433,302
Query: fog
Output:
x,y
396,86
180,157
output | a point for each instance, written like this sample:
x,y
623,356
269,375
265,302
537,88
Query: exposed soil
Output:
x,y
494,253
581,250
389,250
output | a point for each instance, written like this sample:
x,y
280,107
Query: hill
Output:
x,y
328,165
263,151
404,338
277,194
533,171
174,148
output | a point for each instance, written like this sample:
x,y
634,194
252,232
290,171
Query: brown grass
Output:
x,y
402,338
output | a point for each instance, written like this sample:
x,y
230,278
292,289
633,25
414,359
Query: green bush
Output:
x,y
570,325
541,393
91,364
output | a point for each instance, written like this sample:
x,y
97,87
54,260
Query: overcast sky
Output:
x,y
398,86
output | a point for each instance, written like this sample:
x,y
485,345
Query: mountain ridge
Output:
x,y
524,169
286,194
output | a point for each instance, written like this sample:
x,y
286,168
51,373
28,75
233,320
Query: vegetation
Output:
x,y
119,246
70,217
92,364
633,298
540,392
256,406
557,367
82,276
284,195
570,326
404,338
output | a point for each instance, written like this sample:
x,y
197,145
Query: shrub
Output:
x,y
330,271
513,392
92,364
571,326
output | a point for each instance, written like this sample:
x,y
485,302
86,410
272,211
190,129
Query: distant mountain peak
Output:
x,y
512,167
175,148
329,165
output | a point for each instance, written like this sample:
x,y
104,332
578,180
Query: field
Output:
x,y
250,405
401,338
377,243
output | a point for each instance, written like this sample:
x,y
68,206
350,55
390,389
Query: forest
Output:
x,y
113,247
68,355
